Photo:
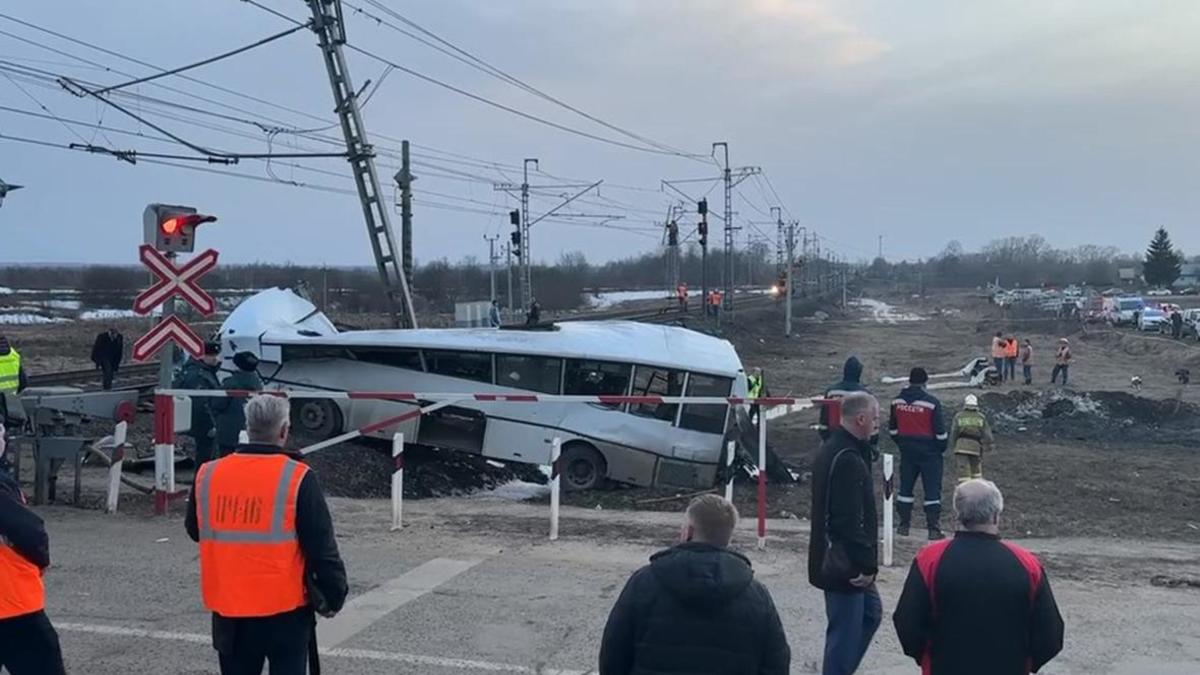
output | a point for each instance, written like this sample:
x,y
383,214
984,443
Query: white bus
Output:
x,y
639,444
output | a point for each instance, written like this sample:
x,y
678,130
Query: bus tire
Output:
x,y
319,418
583,467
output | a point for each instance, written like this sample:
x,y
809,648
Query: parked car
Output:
x,y
1191,324
1158,292
1152,319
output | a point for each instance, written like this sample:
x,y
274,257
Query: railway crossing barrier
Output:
x,y
771,407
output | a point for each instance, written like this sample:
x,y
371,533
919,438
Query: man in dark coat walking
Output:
x,y
844,521
228,413
975,603
696,609
107,352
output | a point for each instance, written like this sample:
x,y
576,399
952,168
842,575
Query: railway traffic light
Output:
x,y
514,217
172,229
702,228
702,207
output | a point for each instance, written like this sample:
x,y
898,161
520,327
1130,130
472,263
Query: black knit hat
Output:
x,y
245,361
212,348
918,376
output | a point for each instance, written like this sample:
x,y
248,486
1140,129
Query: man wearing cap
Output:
x,y
1062,361
916,426
970,437
201,374
229,412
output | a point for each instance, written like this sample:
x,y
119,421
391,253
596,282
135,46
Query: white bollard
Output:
x,y
397,481
731,450
762,479
114,470
889,537
555,480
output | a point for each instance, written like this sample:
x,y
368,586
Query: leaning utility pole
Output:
x,y
331,35
492,264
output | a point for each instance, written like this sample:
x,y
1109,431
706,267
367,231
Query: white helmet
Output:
x,y
971,401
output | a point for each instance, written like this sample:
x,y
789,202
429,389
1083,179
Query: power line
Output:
x,y
482,99
473,61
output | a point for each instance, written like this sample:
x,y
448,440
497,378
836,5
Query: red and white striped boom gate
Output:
x,y
771,407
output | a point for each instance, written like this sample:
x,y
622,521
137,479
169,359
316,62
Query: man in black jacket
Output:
x,y
844,518
976,604
696,608
285,639
28,643
830,415
107,352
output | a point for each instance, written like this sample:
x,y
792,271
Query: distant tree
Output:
x,y
1162,262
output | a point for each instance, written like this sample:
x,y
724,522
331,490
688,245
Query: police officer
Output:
x,y
268,556
28,643
201,374
228,412
970,437
916,426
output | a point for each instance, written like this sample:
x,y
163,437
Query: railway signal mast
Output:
x,y
331,35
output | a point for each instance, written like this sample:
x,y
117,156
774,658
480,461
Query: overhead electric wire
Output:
x,y
39,104
204,62
473,61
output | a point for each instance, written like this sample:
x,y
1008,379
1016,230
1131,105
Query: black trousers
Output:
x,y
107,372
29,646
927,466
282,641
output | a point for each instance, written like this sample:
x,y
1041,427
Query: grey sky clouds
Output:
x,y
921,122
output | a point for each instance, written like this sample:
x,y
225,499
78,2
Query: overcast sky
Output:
x,y
921,122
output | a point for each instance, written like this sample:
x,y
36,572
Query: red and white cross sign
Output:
x,y
170,328
172,280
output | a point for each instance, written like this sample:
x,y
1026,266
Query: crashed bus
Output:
x,y
635,443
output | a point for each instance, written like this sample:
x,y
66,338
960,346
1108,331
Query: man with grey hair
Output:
x,y
696,609
976,604
843,547
268,556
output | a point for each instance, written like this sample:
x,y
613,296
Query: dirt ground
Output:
x,y
1095,459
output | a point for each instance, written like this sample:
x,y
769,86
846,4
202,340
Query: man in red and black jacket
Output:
x,y
917,427
976,604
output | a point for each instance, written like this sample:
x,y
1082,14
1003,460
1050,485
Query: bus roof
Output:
x,y
280,317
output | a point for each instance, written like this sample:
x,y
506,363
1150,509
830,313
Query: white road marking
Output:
x,y
334,652
363,610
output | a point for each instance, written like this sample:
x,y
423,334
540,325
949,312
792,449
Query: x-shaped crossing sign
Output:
x,y
174,280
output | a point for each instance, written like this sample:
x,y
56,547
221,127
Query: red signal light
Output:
x,y
176,224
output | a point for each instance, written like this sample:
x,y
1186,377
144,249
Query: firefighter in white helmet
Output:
x,y
970,437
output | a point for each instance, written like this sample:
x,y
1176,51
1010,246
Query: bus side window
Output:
x,y
409,359
649,381
535,373
475,366
709,418
595,378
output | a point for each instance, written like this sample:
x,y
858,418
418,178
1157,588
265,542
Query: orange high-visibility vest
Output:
x,y
21,589
1010,349
250,559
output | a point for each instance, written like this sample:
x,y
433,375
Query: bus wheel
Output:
x,y
583,467
316,417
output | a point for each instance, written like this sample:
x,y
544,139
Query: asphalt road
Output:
x,y
472,586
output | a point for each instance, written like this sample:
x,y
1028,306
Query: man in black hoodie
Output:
x,y
696,608
830,416
28,643
844,523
